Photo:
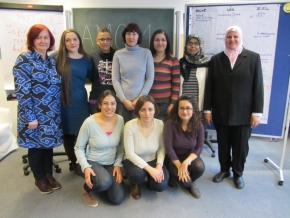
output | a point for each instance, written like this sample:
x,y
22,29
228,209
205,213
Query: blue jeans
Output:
x,y
40,162
126,114
162,111
105,181
195,169
137,175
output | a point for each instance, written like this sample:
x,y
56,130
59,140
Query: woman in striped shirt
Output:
x,y
166,85
193,69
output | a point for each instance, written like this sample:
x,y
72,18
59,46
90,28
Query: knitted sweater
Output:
x,y
133,72
94,144
166,81
180,144
140,150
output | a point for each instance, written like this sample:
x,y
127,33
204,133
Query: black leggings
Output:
x,y
196,169
69,144
40,162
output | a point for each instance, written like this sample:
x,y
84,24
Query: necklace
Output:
x,y
159,58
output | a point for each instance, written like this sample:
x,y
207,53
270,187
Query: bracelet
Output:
x,y
188,162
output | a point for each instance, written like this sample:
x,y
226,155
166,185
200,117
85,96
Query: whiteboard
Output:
x,y
266,30
14,27
254,38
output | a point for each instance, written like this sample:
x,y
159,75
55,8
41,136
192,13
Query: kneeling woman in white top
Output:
x,y
99,151
144,148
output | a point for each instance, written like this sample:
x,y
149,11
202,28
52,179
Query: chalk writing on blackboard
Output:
x,y
87,36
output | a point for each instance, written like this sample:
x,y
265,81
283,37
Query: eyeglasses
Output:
x,y
193,43
105,39
106,104
143,110
188,109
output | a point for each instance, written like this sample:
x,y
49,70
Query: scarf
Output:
x,y
190,61
233,54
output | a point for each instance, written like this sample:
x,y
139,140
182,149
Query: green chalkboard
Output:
x,y
87,22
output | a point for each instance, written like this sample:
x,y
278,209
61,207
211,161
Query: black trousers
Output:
x,y
195,169
69,142
40,162
233,147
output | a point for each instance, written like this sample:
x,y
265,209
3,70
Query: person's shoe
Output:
x,y
89,198
194,191
220,176
172,182
135,192
76,170
239,182
54,184
124,173
149,186
43,186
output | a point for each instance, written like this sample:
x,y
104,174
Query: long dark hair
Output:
x,y
63,67
168,48
195,119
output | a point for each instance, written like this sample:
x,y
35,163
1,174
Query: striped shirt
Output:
x,y
190,87
166,83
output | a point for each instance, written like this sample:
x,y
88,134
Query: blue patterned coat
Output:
x,y
37,88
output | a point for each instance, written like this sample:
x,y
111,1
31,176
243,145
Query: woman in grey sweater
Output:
x,y
133,71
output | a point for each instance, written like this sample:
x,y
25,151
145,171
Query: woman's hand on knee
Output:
x,y
88,172
183,173
118,174
160,172
154,173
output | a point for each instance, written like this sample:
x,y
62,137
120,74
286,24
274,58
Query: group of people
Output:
x,y
140,116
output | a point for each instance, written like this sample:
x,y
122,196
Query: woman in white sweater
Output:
x,y
99,151
144,148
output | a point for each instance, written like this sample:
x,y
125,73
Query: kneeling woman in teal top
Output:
x,y
99,151
144,149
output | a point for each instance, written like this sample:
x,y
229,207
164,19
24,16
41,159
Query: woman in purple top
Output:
x,y
183,137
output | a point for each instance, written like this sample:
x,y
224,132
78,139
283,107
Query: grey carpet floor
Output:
x,y
261,197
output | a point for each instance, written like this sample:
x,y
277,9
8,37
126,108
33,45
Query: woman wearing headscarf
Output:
x,y
193,69
234,100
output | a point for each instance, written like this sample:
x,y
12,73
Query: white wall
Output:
x,y
68,4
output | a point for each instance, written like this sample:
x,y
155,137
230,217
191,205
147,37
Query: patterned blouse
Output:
x,y
37,88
